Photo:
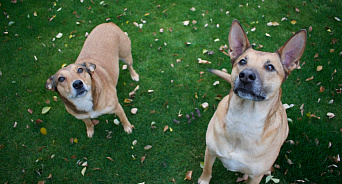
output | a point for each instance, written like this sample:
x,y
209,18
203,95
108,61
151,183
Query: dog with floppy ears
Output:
x,y
88,86
250,123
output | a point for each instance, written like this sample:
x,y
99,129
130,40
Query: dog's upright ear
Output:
x,y
238,41
51,84
292,51
90,67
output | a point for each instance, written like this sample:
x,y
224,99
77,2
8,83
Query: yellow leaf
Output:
x,y
127,100
63,65
146,14
45,110
319,68
293,22
75,140
43,131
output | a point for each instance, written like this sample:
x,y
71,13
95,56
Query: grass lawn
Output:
x,y
30,53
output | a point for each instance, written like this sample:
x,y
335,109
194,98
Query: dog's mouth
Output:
x,y
81,93
249,94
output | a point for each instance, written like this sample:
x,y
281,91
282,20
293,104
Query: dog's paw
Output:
x,y
200,181
90,133
135,77
128,129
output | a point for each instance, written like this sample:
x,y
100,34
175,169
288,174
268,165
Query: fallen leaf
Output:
x,y
309,79
43,131
75,140
321,89
297,10
310,28
201,61
166,128
95,121
287,106
202,165
193,9
332,50
330,115
30,111
336,18
143,158
316,55
50,176
110,159
116,122
273,24
134,142
293,22
45,110
134,110
147,147
83,171
15,124
205,105
188,175
319,68
185,23
268,35
216,83
127,100
59,35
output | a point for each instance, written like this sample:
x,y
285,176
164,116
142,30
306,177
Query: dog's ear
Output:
x,y
90,67
51,84
238,41
292,50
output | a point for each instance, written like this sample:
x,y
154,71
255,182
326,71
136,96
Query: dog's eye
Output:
x,y
242,62
80,70
270,67
61,79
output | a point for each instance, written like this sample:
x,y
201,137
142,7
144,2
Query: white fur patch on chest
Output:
x,y
84,103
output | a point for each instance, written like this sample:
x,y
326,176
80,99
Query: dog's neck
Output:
x,y
249,118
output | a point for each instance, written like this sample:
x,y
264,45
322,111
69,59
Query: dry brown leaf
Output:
x,y
310,28
30,111
188,175
110,159
134,110
95,121
143,158
50,176
316,55
166,128
321,89
309,79
332,50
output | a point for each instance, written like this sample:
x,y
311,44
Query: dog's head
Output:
x,y
258,75
73,81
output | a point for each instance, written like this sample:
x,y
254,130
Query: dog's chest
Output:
x,y
86,104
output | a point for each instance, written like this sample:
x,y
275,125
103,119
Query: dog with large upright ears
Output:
x,y
88,86
250,123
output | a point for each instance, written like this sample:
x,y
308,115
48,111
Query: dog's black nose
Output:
x,y
247,76
78,84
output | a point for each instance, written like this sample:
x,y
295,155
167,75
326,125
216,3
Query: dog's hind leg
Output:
x,y
209,160
126,56
90,127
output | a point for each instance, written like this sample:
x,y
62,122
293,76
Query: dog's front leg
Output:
x,y
122,116
254,179
90,127
209,160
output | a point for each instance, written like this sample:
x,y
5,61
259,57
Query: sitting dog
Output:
x,y
250,124
88,86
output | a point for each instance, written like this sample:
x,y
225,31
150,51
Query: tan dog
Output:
x,y
250,124
88,87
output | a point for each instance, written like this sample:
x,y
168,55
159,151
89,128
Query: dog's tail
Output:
x,y
224,75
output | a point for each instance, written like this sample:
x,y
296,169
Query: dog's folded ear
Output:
x,y
90,67
292,50
51,84
238,41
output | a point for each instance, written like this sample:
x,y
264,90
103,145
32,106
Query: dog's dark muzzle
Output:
x,y
249,86
79,87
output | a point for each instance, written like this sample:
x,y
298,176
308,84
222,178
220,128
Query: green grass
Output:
x,y
26,154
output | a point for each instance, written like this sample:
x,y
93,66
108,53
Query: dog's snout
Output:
x,y
247,76
78,84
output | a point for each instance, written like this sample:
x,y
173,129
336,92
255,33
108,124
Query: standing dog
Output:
x,y
250,124
88,87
